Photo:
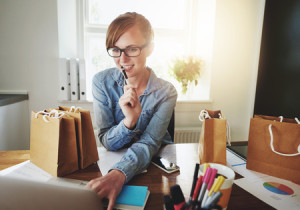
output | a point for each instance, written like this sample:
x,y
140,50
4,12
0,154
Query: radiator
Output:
x,y
187,135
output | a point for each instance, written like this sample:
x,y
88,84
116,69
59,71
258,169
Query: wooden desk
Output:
x,y
159,182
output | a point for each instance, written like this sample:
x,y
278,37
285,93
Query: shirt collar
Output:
x,y
153,83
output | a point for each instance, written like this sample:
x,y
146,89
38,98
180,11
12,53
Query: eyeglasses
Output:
x,y
129,51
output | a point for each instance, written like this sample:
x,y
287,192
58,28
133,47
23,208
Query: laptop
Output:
x,y
24,194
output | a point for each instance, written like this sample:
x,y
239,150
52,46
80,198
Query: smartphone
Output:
x,y
164,164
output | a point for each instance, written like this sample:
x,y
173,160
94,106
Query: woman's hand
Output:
x,y
131,106
108,186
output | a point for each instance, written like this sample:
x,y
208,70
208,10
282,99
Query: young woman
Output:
x,y
133,113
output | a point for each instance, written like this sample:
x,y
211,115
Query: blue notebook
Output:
x,y
133,195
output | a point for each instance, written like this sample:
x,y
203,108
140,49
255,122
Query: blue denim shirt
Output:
x,y
157,101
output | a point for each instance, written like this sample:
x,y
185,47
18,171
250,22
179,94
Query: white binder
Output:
x,y
74,74
82,80
64,79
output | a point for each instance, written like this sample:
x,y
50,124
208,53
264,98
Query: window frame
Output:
x,y
84,27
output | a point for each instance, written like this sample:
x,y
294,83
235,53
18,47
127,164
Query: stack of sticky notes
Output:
x,y
132,197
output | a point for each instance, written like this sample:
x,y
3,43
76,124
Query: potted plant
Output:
x,y
186,70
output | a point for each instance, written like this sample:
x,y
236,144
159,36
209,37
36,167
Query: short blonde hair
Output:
x,y
125,21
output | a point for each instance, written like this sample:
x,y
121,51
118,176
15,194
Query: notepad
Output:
x,y
132,197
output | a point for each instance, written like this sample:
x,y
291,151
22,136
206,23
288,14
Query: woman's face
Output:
x,y
132,65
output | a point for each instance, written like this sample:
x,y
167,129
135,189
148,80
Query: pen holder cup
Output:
x,y
226,187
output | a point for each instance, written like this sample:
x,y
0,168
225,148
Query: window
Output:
x,y
181,27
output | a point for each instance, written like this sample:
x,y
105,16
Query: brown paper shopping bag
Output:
x,y
86,142
274,147
212,143
53,143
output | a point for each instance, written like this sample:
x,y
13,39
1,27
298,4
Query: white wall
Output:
x,y
235,61
237,36
67,29
14,129
30,49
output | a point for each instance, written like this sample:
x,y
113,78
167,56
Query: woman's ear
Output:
x,y
150,49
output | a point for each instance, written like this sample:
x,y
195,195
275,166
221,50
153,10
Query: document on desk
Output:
x,y
238,165
28,171
278,193
108,158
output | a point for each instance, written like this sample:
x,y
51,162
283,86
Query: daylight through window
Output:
x,y
182,28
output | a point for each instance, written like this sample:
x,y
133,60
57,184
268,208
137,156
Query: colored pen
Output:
x,y
210,183
188,204
215,189
206,165
197,188
214,200
218,186
194,180
205,183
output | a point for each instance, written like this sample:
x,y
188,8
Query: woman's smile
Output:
x,y
128,67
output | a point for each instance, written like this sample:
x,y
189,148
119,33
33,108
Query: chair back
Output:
x,y
171,126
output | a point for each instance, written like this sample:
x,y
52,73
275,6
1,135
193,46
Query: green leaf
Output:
x,y
186,70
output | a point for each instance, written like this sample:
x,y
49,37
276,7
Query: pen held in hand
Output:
x,y
125,75
125,78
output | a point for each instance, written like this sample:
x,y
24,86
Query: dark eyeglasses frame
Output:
x,y
123,50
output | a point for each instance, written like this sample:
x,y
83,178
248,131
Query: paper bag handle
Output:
x,y
75,108
281,119
205,115
50,114
272,147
